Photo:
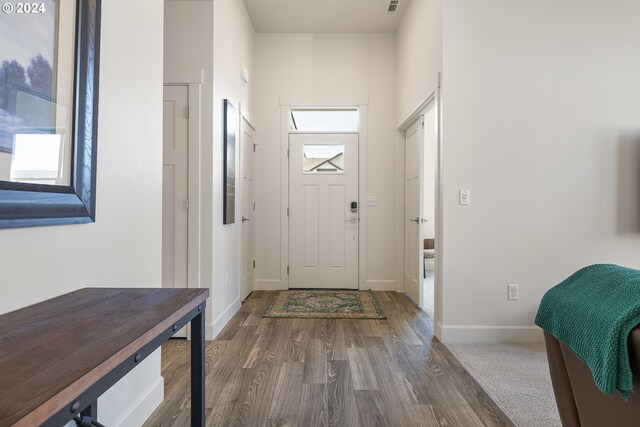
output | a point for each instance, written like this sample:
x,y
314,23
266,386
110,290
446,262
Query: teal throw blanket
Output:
x,y
592,312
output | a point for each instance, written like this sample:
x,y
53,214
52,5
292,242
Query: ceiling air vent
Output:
x,y
392,9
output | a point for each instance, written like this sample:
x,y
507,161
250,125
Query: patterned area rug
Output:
x,y
324,304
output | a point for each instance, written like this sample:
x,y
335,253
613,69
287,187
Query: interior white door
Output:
x,y
175,191
247,148
323,211
413,195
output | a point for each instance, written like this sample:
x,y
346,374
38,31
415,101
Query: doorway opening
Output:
x,y
323,209
429,173
422,214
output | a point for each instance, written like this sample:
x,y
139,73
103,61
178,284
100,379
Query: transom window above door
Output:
x,y
324,120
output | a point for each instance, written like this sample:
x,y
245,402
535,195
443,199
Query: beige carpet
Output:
x,y
517,379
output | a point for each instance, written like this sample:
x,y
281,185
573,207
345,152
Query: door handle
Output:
x,y
352,220
416,220
245,219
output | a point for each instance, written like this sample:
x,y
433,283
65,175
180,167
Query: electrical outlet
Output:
x,y
226,279
465,197
512,292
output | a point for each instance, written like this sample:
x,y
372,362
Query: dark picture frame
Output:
x,y
32,205
229,170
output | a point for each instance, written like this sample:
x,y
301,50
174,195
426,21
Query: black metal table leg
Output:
x,y
91,410
197,369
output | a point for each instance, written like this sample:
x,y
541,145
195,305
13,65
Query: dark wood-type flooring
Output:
x,y
327,372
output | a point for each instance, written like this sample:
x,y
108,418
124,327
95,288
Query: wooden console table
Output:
x,y
57,357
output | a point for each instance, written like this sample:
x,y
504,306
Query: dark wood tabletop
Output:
x,y
53,351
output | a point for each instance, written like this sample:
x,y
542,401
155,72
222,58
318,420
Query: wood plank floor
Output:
x,y
327,372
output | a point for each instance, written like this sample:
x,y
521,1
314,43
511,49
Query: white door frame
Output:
x,y
433,101
193,216
285,113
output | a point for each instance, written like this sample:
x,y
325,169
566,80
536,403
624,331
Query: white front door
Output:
x,y
246,169
175,189
413,252
323,211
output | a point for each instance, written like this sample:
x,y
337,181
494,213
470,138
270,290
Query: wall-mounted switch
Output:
x,y
371,201
465,197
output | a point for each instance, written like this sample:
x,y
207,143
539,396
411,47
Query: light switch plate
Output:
x,y
371,201
465,197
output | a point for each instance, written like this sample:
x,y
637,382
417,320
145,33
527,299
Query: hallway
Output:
x,y
303,372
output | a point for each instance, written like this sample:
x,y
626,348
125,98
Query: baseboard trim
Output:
x,y
269,285
143,407
208,332
438,331
214,328
381,285
489,334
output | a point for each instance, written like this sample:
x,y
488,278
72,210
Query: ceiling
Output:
x,y
323,16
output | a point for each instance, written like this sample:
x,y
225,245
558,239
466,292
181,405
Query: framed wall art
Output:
x,y
49,66
229,169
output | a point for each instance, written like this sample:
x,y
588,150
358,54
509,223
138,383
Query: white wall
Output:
x,y
541,103
188,58
323,67
233,48
201,36
419,55
122,248
188,47
419,60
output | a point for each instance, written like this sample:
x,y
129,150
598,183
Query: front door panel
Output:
x,y
323,211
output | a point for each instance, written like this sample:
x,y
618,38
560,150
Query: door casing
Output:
x,y
433,101
286,104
